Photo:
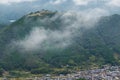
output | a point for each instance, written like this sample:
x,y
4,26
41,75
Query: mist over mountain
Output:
x,y
46,39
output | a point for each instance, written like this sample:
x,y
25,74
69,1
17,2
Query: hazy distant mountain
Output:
x,y
50,39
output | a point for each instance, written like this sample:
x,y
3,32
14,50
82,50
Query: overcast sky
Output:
x,y
14,9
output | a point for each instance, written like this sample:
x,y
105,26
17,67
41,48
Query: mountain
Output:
x,y
46,39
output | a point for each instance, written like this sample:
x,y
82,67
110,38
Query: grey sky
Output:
x,y
14,9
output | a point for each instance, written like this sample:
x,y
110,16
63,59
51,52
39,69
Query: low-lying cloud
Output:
x,y
72,23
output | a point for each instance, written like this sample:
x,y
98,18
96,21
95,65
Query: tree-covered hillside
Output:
x,y
61,40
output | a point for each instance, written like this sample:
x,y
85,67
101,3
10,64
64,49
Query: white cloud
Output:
x,y
82,2
44,38
36,37
55,2
114,3
14,1
91,17
72,23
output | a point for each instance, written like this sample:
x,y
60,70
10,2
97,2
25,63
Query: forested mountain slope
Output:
x,y
50,39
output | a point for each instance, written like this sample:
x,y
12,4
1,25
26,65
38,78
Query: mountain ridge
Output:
x,y
96,46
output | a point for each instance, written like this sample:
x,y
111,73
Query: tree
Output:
x,y
81,79
1,71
